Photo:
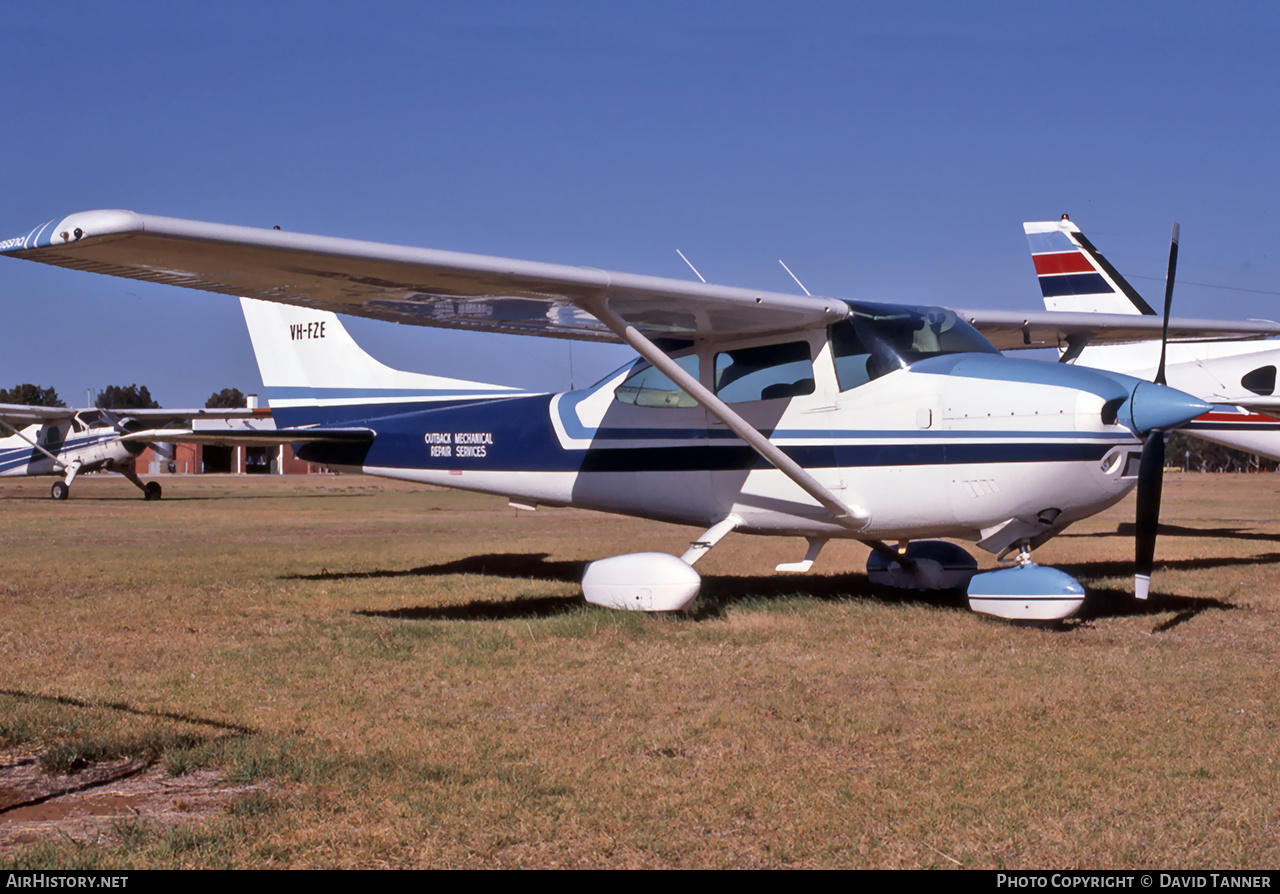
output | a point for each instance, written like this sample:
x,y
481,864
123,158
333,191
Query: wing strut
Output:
x,y
855,518
56,462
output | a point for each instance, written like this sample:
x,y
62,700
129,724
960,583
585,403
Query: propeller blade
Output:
x,y
1151,466
1168,299
1150,484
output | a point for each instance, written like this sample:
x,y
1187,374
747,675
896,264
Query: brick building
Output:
x,y
203,459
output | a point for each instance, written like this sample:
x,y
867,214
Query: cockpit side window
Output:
x,y
649,387
767,372
877,339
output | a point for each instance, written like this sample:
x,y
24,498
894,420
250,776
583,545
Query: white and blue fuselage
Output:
x,y
966,444
89,448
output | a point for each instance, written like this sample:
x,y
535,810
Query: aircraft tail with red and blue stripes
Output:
x,y
1074,276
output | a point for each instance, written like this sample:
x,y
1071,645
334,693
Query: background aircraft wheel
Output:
x,y
151,491
59,491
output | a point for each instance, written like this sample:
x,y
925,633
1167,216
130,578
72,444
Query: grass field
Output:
x,y
410,678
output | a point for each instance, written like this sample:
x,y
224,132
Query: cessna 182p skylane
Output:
x,y
65,442
1237,376
748,411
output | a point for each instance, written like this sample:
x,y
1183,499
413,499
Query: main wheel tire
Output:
x,y
59,491
152,491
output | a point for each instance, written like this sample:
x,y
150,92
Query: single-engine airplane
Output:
x,y
1237,376
65,442
748,411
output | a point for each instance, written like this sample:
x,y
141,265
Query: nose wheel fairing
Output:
x,y
1027,592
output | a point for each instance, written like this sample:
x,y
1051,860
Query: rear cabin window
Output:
x,y
649,387
54,438
767,372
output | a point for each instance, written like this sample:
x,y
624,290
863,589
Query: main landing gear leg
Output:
x,y
62,489
150,491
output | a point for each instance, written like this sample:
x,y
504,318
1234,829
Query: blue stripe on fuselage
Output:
x,y
517,435
16,457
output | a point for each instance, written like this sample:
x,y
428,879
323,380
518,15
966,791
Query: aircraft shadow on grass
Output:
x,y
126,708
1112,602
721,592
1127,529
718,592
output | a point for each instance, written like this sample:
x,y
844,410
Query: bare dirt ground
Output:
x,y
93,805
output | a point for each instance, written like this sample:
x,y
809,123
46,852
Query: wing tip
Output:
x,y
75,228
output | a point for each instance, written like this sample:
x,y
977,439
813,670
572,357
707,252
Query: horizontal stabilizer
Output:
x,y
252,437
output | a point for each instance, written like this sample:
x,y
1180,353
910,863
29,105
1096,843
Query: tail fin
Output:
x,y
1074,276
314,372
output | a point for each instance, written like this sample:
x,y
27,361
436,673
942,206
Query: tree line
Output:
x,y
1195,455
113,397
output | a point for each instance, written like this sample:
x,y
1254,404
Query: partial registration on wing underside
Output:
x,y
428,287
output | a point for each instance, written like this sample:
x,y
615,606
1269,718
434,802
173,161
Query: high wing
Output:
x,y
440,288
409,285
23,414
1014,330
19,415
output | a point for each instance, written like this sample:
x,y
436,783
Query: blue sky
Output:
x,y
886,151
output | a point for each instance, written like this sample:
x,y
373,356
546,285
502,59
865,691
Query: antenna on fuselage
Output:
x,y
691,267
796,278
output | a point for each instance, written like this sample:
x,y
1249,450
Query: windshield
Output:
x,y
876,339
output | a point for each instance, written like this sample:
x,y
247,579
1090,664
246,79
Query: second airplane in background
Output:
x,y
66,442
1237,375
